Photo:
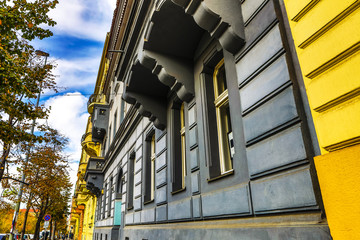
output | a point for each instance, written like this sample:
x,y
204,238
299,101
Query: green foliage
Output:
x,y
22,75
48,178
49,187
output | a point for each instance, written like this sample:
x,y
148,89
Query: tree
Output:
x,y
48,178
21,76
48,189
5,216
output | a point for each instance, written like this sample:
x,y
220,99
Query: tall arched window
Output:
x,y
119,184
178,162
131,180
224,129
150,156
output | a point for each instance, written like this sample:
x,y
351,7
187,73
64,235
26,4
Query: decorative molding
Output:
x,y
230,38
176,72
305,10
273,131
341,99
279,169
255,13
330,24
267,97
257,40
131,98
343,144
334,61
153,63
262,67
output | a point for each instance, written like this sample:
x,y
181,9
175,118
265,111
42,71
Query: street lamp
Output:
x,y
41,53
17,207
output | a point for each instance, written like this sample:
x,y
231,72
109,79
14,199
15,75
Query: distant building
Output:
x,y
82,220
83,206
209,125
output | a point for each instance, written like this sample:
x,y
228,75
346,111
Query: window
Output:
x,y
224,130
150,167
131,180
104,201
183,144
216,112
122,110
110,196
179,147
110,138
115,125
152,158
119,183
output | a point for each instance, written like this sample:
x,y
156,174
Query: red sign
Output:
x,y
47,217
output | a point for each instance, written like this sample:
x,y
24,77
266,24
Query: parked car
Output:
x,y
6,236
28,236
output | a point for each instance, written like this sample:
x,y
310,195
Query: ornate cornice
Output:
x,y
173,72
221,20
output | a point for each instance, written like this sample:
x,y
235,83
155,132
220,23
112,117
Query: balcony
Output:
x,y
82,187
100,120
94,176
81,197
80,191
90,147
95,99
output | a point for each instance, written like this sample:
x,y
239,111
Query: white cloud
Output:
x,y
68,115
84,18
77,73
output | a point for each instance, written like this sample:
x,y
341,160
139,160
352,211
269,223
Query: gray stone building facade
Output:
x,y
208,131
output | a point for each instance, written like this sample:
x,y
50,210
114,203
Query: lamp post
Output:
x,y
17,207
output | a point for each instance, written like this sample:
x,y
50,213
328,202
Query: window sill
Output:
x,y
225,174
150,201
180,190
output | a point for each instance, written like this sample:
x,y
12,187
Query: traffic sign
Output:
x,y
46,225
47,217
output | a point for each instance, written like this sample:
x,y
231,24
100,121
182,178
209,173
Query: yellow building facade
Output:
x,y
327,40
84,202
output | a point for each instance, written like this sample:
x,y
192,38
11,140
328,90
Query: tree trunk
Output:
x,y
42,212
37,226
53,231
51,227
25,219
2,167
6,151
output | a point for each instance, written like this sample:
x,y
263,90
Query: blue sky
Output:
x,y
76,49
